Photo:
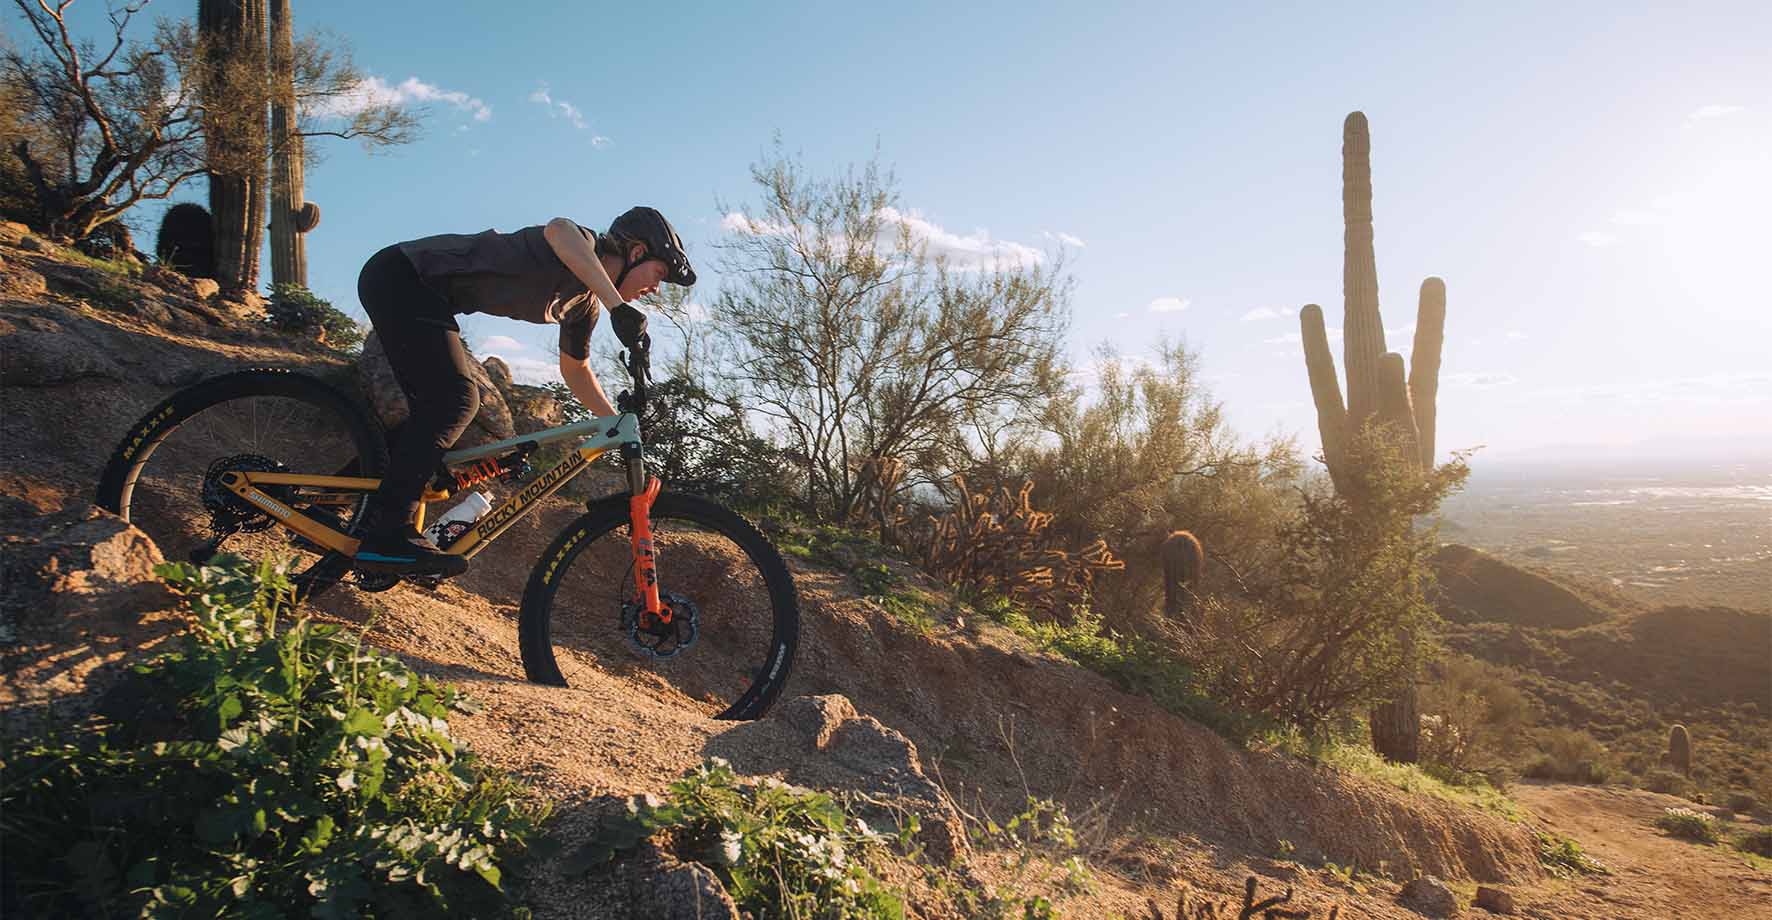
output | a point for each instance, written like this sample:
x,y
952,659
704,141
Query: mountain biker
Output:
x,y
559,273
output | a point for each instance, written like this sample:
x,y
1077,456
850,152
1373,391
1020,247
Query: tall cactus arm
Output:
x,y
1363,329
1424,364
1325,391
1393,403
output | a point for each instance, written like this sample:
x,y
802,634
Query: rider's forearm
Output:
x,y
582,381
580,256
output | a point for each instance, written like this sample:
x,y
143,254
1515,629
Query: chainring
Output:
x,y
228,512
681,631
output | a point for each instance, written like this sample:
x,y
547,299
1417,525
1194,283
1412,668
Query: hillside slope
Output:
x,y
991,718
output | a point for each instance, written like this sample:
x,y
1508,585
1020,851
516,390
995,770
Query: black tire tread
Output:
x,y
604,516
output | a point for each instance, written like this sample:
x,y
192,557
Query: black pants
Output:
x,y
417,330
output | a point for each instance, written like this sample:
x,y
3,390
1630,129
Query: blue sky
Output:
x,y
1591,179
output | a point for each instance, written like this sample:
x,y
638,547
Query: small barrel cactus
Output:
x,y
1183,558
1679,749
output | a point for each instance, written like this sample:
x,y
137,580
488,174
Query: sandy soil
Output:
x,y
1653,875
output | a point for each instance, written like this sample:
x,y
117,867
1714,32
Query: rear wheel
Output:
x,y
165,478
735,615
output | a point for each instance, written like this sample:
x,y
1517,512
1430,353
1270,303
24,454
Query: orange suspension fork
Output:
x,y
645,566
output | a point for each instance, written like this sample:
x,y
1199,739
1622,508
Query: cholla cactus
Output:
x,y
1001,543
1679,749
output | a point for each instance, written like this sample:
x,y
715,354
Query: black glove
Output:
x,y
629,323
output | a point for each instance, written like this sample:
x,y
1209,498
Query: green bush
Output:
x,y
1667,782
1564,858
1757,842
1569,756
304,773
1687,824
293,308
781,851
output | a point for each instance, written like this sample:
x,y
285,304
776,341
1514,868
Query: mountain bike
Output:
x,y
272,461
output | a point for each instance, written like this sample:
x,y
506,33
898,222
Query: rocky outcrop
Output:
x,y
76,564
376,380
1431,897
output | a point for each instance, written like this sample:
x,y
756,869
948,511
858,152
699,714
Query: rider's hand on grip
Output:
x,y
630,325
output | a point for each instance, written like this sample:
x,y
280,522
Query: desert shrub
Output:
x,y
1149,453
1475,715
1148,667
1564,858
1336,624
1757,841
1742,804
303,772
293,308
997,543
781,851
1687,824
1570,756
1667,782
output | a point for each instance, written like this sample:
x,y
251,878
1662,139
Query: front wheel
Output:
x,y
736,615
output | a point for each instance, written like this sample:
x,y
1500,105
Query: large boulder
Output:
x,y
881,763
382,389
76,565
1431,897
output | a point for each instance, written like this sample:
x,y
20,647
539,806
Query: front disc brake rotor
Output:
x,y
655,638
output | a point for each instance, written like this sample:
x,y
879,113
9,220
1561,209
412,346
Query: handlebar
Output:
x,y
638,361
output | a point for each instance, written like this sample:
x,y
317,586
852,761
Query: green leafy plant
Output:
x,y
1564,858
781,851
303,771
1687,824
293,308
1757,841
1571,756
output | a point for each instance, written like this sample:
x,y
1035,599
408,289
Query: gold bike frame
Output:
x,y
600,434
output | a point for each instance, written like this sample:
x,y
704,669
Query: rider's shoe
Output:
x,y
404,551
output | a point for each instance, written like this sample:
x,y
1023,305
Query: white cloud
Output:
x,y
1597,239
1713,111
1515,334
694,312
534,371
376,91
560,108
1261,313
1066,239
1169,304
501,343
1121,315
974,252
598,140
1480,380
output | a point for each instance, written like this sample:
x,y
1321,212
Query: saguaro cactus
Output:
x,y
1183,558
1679,749
234,35
290,216
1377,386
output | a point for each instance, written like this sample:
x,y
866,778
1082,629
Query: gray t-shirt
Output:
x,y
516,275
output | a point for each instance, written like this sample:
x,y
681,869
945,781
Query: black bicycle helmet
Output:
x,y
650,227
